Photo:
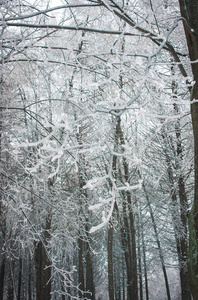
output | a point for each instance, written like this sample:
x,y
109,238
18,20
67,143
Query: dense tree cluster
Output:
x,y
99,150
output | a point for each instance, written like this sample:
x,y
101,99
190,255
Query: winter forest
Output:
x,y
99,149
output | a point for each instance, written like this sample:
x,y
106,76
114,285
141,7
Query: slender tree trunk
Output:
x,y
38,269
43,272
143,252
139,260
81,268
2,216
86,277
46,275
145,264
2,276
63,297
69,291
110,261
182,239
133,280
182,254
43,266
19,279
131,261
134,284
123,279
11,293
126,244
89,273
179,216
29,278
158,245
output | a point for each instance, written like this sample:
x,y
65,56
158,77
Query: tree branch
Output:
x,y
41,12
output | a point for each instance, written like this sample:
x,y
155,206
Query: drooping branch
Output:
x,y
73,28
45,11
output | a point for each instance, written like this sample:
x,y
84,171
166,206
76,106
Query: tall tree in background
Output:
x,y
189,13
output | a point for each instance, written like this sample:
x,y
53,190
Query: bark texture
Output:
x,y
43,266
110,261
189,11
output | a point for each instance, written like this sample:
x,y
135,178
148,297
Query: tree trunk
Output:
x,y
145,265
110,261
141,229
123,280
29,279
89,273
43,266
189,11
19,279
86,280
63,297
139,260
182,255
128,231
43,272
10,295
81,281
158,245
179,214
2,224
38,269
2,276
46,275
134,283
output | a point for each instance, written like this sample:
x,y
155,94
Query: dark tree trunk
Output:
x,y
110,261
123,280
10,292
145,265
46,275
38,269
2,230
189,11
2,276
143,252
140,260
86,279
30,279
128,231
89,273
132,241
81,280
19,279
126,244
182,255
63,297
43,272
10,295
43,266
179,214
134,283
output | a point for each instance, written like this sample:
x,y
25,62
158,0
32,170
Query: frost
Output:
x,y
194,101
55,172
91,184
98,205
105,220
128,187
